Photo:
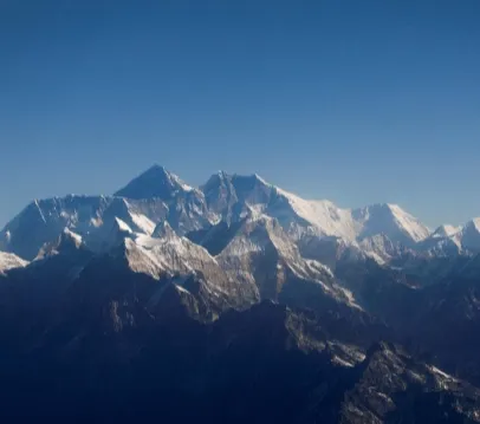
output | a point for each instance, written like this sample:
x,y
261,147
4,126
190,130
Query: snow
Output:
x,y
173,254
142,261
445,231
391,221
155,182
441,374
123,226
315,264
465,238
409,223
143,223
323,214
350,298
476,223
442,379
40,210
178,181
351,225
75,236
339,361
469,236
375,231
261,180
96,222
240,246
181,289
10,261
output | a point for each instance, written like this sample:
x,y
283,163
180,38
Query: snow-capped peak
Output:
x,y
469,236
234,197
391,220
473,223
156,182
324,215
445,231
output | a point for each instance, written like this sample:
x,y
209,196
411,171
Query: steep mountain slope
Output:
x,y
381,248
176,256
469,235
268,362
433,307
239,302
260,254
91,217
390,220
323,215
448,240
234,196
157,195
187,208
156,182
394,388
445,231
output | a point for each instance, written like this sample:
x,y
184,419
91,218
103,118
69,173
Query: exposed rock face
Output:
x,y
237,302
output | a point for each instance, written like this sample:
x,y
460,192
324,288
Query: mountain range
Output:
x,y
158,195
236,301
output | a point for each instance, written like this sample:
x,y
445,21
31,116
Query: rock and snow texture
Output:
x,y
93,217
390,220
389,371
379,231
186,206
66,242
260,254
170,255
469,235
234,197
323,215
445,231
380,248
156,182
448,239
10,261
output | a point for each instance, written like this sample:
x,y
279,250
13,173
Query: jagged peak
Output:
x,y
445,230
252,178
474,224
236,179
155,182
391,219
222,174
381,207
219,178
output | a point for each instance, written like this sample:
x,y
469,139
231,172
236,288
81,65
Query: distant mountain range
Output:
x,y
157,195
236,302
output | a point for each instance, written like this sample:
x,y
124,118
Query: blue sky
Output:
x,y
354,101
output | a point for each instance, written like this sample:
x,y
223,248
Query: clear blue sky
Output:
x,y
354,101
